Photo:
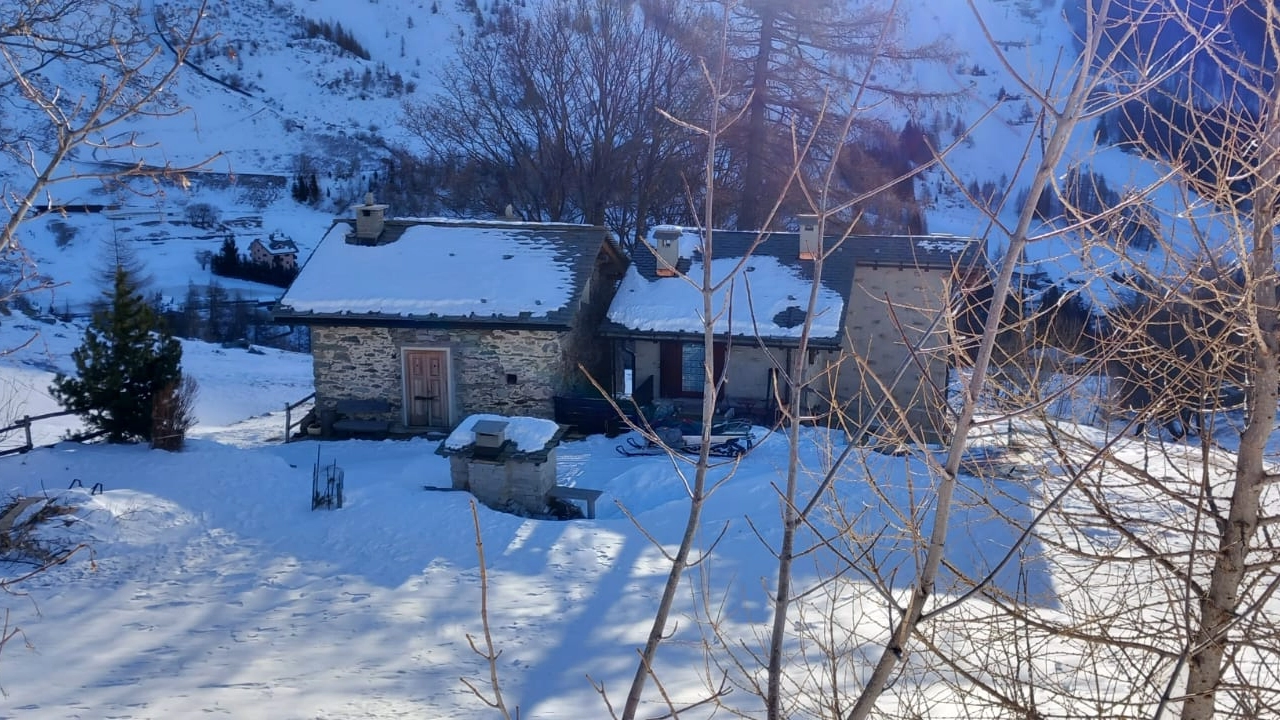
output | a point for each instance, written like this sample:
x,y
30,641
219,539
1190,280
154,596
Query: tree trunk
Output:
x,y
697,488
791,519
750,200
1219,606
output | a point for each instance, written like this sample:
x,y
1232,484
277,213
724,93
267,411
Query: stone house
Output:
x,y
876,297
278,251
434,320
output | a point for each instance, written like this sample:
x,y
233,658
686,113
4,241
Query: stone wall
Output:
x,y
367,362
511,485
875,336
584,346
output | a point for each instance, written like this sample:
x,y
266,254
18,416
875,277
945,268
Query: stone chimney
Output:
x,y
810,238
369,221
666,241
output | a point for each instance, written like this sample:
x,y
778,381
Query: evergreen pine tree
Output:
x,y
216,303
192,320
127,358
227,261
313,190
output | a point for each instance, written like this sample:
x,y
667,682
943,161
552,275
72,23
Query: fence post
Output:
x,y
288,420
26,424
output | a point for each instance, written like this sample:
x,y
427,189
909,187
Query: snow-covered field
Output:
x,y
208,585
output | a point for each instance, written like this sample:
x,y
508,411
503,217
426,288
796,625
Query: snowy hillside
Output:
x,y
287,88
264,104
991,133
270,87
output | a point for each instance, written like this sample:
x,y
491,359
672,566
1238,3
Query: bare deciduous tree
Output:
x,y
1136,573
1157,543
76,73
559,117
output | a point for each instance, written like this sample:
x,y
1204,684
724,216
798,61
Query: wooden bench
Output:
x,y
346,408
563,492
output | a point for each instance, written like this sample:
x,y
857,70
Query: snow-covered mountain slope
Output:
x,y
993,141
263,103
275,82
297,87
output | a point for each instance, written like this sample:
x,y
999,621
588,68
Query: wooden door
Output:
x,y
426,377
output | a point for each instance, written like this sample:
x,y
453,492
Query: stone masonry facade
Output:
x,y
512,485
876,336
502,371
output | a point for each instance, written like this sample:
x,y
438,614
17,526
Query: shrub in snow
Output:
x,y
127,358
173,413
25,540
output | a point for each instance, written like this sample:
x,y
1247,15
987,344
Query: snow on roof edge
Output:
x,y
529,434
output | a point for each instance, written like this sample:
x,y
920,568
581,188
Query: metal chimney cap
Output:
x,y
489,427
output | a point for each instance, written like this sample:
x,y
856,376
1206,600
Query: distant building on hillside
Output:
x,y
277,252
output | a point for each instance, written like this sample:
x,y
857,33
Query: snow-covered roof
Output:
x,y
671,305
278,246
529,434
448,271
774,282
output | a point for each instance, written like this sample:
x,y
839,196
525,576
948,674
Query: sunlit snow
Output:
x,y
766,288
433,271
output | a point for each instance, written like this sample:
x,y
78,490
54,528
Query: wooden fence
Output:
x,y
289,422
25,425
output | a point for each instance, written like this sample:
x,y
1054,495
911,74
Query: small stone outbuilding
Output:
x,y
508,463
434,320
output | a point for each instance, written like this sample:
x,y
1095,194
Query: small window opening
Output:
x,y
693,360
511,378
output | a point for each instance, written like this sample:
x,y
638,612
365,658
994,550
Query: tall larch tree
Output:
x,y
802,67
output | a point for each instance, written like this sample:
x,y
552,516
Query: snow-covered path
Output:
x,y
213,587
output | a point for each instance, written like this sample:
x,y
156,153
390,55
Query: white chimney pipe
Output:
x,y
810,238
369,221
666,240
